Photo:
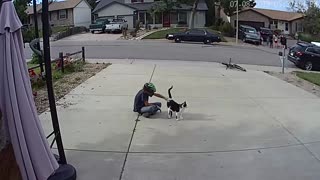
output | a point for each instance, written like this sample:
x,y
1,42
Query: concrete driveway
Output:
x,y
93,37
238,125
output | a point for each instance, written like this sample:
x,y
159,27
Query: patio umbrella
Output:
x,y
31,149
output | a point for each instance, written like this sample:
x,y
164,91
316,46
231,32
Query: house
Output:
x,y
138,10
64,13
288,22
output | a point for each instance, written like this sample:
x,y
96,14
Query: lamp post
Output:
x,y
36,33
237,23
47,60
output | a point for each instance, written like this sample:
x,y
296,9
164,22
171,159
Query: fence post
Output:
x,y
83,54
61,61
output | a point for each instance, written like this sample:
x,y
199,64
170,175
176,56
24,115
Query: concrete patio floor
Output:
x,y
238,125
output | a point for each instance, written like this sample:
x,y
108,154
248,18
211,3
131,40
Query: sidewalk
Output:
x,y
238,125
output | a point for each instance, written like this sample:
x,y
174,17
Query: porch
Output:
x,y
169,19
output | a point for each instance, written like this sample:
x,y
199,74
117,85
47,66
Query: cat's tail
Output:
x,y
170,92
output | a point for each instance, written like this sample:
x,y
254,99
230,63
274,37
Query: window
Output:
x,y
317,50
142,17
311,50
50,16
287,26
197,31
62,14
149,18
158,18
174,18
274,24
183,18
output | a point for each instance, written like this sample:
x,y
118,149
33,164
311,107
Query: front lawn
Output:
x,y
162,33
311,77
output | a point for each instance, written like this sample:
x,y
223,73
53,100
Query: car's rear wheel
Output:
x,y
103,30
207,41
177,39
308,66
92,32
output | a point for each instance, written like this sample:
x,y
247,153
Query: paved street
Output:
x,y
238,125
165,50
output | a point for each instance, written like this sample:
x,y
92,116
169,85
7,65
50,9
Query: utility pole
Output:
x,y
237,23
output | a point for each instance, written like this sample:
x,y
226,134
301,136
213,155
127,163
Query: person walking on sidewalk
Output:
x,y
142,104
270,40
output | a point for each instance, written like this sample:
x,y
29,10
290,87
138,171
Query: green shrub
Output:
x,y
35,59
28,35
227,29
308,37
56,75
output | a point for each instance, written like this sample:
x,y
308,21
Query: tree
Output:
x,y
93,3
163,6
21,6
296,6
230,6
311,22
211,14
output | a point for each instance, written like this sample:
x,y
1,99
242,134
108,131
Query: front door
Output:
x,y
166,20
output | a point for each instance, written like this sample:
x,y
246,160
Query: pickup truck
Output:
x,y
99,25
116,25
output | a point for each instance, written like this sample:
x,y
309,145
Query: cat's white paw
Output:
x,y
177,119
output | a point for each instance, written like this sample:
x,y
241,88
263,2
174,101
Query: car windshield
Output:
x,y
250,30
100,21
267,31
116,20
298,47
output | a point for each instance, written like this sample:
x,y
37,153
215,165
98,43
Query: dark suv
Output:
x,y
265,33
305,55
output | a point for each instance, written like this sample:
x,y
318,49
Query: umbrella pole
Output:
x,y
52,103
36,33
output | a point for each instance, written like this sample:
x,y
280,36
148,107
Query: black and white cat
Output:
x,y
175,107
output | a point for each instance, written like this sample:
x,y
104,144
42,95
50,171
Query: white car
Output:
x,y
116,25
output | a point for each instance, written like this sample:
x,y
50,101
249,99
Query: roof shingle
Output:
x,y
277,15
53,6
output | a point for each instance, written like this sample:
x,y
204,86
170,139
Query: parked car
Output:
x,y
99,25
265,33
195,35
305,55
249,34
116,25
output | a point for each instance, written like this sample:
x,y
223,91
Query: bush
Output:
x,y
308,37
28,35
227,29
35,59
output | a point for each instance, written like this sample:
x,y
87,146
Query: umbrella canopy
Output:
x,y
31,149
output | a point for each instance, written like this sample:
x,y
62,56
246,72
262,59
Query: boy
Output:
x,y
141,101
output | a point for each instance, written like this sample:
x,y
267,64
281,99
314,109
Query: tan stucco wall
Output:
x,y
294,24
250,16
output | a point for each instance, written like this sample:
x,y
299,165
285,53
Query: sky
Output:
x,y
277,4
273,4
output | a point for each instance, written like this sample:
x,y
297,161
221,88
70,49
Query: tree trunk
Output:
x,y
193,13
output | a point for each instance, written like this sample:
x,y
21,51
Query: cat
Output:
x,y
175,107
